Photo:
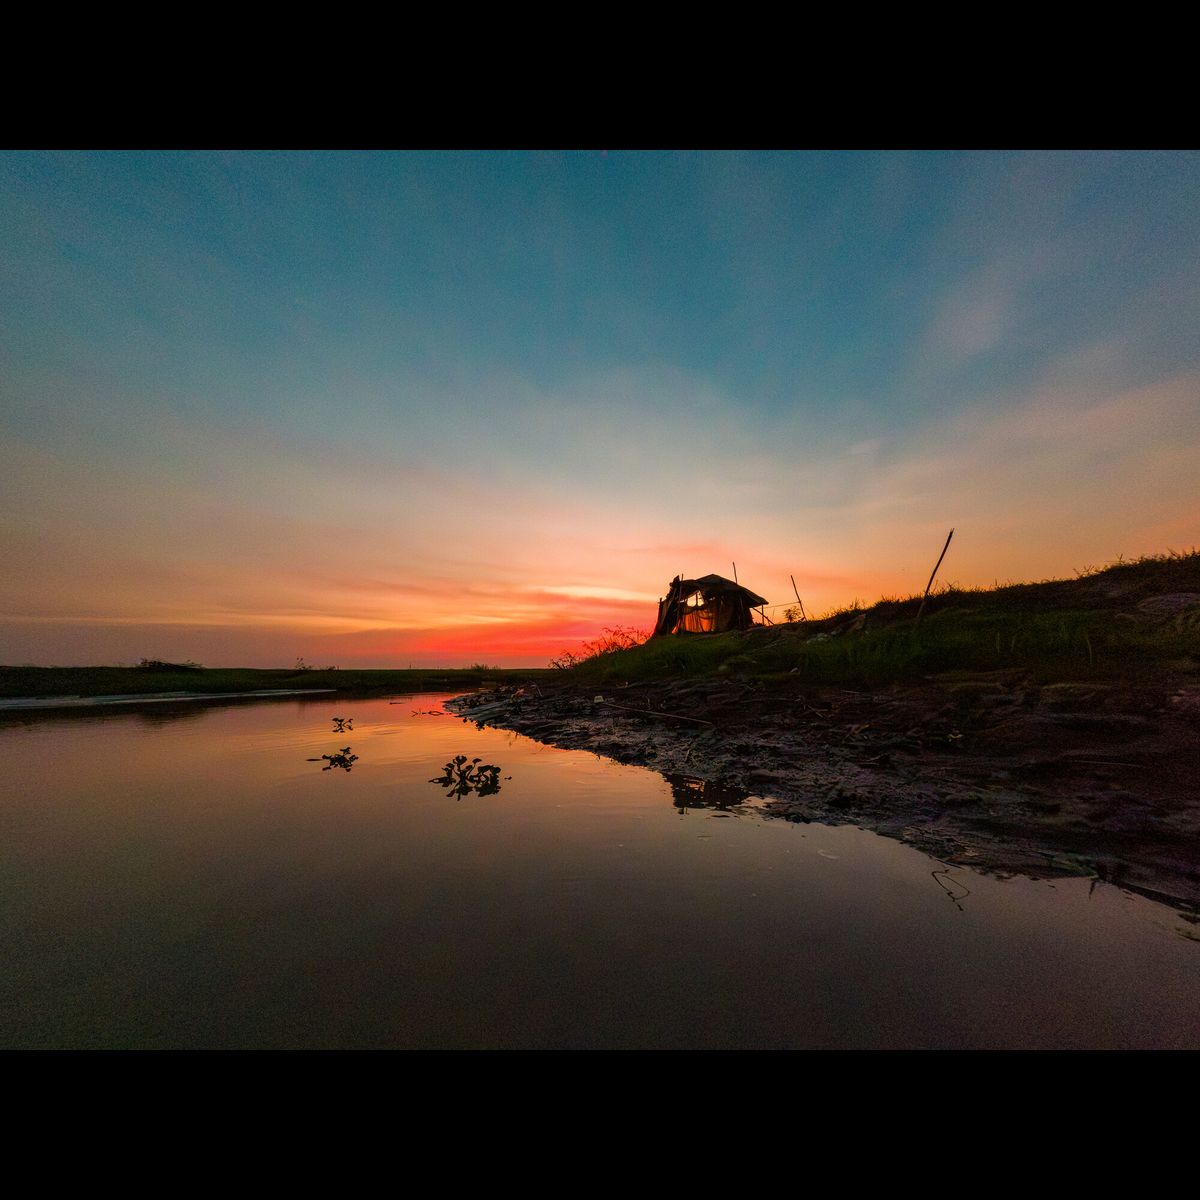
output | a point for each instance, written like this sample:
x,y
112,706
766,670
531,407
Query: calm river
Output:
x,y
186,876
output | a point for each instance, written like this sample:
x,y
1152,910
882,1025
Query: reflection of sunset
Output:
x,y
279,427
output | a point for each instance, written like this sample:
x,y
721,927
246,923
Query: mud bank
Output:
x,y
987,770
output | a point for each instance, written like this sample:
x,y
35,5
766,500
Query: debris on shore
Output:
x,y
984,769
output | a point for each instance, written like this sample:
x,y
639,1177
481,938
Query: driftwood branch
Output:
x,y
646,712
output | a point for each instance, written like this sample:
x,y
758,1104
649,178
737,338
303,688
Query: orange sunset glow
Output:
x,y
310,436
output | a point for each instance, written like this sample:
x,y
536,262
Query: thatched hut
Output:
x,y
712,604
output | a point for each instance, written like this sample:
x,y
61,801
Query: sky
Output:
x,y
434,409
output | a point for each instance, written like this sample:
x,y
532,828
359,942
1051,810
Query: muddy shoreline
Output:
x,y
984,770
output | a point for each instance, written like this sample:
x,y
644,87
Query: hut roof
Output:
x,y
718,583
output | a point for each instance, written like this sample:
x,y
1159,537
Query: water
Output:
x,y
187,878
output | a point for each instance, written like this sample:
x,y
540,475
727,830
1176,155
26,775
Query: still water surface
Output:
x,y
188,878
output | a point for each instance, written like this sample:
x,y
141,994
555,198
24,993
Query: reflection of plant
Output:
x,y
461,777
341,724
343,758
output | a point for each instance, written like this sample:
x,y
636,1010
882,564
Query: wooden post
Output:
x,y
931,577
735,572
803,615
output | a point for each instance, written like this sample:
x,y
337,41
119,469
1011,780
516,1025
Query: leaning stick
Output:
x,y
735,572
803,614
933,576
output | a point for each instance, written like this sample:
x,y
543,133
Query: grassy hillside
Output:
x,y
1116,622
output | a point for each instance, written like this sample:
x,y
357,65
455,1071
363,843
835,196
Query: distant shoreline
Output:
x,y
43,687
33,703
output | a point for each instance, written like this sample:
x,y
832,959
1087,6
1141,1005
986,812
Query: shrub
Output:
x,y
619,637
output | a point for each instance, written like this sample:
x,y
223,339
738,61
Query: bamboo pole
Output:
x,y
932,577
803,614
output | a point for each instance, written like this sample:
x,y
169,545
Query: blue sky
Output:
x,y
449,375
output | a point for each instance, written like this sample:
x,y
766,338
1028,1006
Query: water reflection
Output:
x,y
342,724
950,885
461,778
153,714
156,718
191,885
687,791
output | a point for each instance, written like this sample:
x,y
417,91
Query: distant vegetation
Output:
x,y
301,665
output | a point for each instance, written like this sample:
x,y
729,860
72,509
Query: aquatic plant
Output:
x,y
461,778
343,758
